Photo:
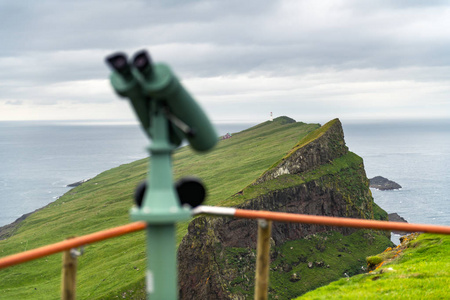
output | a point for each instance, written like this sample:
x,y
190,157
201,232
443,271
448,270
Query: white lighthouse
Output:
x,y
271,116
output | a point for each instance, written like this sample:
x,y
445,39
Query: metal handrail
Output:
x,y
76,242
69,269
321,220
221,211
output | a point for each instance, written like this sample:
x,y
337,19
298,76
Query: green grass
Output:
x,y
116,267
419,271
316,260
313,135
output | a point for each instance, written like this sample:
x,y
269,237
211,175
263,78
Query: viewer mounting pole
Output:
x,y
167,114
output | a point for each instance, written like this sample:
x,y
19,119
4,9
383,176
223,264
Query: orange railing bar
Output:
x,y
342,222
69,244
222,211
321,220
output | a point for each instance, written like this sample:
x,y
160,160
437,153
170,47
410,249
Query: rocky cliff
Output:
x,y
318,148
319,176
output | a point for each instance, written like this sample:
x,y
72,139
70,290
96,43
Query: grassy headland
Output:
x,y
321,178
116,267
418,269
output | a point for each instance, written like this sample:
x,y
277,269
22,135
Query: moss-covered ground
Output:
x,y
301,265
419,269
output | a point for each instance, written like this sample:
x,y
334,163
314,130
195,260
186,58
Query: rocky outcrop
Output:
x,y
319,177
318,148
395,217
75,184
383,184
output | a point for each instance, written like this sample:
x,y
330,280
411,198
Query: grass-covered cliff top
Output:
x,y
236,162
116,267
340,165
313,136
350,160
417,269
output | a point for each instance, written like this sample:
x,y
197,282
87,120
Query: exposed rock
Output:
x,y
321,150
394,217
78,183
383,184
294,277
319,264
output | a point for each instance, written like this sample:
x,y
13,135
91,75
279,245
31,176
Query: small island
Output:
x,y
383,184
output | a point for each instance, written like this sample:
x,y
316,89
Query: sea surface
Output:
x,y
39,159
416,155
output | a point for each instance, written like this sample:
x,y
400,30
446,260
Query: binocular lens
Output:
x,y
141,60
118,61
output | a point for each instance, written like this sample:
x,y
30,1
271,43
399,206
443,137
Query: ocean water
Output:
x,y
39,159
416,155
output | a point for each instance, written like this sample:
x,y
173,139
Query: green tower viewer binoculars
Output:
x,y
146,84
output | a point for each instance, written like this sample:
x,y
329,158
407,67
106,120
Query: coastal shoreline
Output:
x,y
8,230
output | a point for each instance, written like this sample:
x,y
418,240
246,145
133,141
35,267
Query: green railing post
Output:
x,y
168,114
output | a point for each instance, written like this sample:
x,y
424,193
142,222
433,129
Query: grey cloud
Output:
x,y
14,102
62,25
241,36
54,42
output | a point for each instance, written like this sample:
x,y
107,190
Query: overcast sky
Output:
x,y
310,60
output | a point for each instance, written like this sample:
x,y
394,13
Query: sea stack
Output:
x,y
383,184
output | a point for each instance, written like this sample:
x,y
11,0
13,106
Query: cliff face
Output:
x,y
318,148
319,177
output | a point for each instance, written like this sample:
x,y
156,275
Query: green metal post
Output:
x,y
161,210
162,276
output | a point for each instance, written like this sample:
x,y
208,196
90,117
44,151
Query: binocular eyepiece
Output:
x,y
119,62
142,61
